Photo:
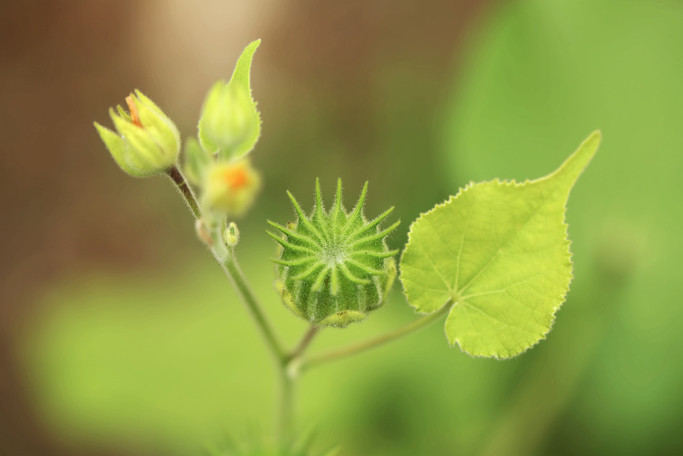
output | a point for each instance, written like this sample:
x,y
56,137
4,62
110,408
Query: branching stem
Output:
x,y
290,364
305,341
353,349
239,281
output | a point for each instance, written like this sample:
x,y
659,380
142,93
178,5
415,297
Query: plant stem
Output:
x,y
185,190
289,373
233,272
305,341
285,420
239,281
236,276
376,341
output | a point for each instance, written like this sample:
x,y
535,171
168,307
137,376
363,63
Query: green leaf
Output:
x,y
197,161
498,254
230,124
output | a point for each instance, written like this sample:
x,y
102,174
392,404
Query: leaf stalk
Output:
x,y
332,355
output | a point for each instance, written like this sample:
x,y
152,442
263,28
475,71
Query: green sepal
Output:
x,y
158,114
230,124
119,151
158,127
141,143
343,318
197,161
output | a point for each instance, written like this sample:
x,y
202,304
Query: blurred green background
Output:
x,y
120,336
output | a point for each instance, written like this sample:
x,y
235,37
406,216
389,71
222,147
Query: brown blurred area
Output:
x,y
65,205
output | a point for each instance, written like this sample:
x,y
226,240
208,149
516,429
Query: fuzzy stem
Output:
x,y
234,273
239,281
286,411
185,190
332,355
305,341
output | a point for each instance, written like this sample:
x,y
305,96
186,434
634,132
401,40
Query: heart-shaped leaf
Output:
x,y
498,254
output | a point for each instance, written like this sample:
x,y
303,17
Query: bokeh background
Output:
x,y
120,336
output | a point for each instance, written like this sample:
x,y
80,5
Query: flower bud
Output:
x,y
334,267
231,235
146,141
230,124
230,187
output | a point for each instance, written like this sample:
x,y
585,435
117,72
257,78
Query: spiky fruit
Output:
x,y
334,266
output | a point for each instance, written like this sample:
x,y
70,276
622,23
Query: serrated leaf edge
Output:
x,y
595,135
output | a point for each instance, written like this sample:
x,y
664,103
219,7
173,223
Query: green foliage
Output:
x,y
334,266
497,253
230,125
197,161
228,130
495,257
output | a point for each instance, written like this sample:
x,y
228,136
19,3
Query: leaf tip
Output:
x,y
568,173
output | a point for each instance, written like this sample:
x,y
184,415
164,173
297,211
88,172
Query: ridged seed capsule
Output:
x,y
334,267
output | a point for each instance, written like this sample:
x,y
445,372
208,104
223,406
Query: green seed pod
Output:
x,y
334,267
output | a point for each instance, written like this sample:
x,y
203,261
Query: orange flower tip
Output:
x,y
236,177
133,109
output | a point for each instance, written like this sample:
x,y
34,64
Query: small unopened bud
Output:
x,y
231,235
230,187
146,141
